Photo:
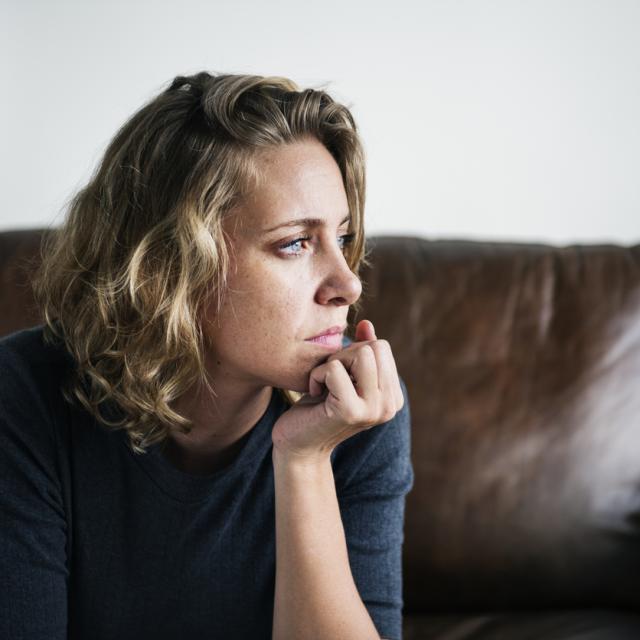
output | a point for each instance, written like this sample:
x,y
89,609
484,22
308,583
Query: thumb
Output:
x,y
365,331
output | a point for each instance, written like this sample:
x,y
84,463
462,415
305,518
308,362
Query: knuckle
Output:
x,y
353,416
381,348
388,415
367,351
371,413
348,417
388,410
376,413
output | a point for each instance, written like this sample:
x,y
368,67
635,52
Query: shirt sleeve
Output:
x,y
33,571
373,474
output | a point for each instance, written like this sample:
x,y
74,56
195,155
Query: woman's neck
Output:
x,y
219,425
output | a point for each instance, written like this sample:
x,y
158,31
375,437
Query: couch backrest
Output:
x,y
522,363
19,255
523,368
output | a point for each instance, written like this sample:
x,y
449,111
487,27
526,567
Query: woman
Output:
x,y
187,443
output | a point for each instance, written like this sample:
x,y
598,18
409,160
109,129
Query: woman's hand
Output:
x,y
355,389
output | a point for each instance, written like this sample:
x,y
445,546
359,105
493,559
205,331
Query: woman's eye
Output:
x,y
347,239
294,247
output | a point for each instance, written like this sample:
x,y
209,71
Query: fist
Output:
x,y
355,389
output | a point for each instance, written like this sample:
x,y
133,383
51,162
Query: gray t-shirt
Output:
x,y
99,542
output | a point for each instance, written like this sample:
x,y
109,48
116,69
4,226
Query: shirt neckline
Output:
x,y
189,487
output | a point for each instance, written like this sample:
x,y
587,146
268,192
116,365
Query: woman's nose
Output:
x,y
340,285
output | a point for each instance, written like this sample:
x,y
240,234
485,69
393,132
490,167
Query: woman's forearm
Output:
x,y
315,594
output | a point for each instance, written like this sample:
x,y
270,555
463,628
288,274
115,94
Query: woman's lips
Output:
x,y
329,340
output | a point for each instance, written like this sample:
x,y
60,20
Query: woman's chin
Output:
x,y
300,388
297,382
297,379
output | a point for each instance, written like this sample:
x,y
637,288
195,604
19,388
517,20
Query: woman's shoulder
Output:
x,y
27,353
28,347
31,373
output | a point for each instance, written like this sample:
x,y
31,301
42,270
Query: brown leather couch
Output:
x,y
523,368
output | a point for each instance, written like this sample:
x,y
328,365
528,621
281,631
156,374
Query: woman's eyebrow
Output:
x,y
304,222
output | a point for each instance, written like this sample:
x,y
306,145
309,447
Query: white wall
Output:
x,y
482,120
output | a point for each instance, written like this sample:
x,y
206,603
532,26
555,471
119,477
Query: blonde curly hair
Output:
x,y
122,283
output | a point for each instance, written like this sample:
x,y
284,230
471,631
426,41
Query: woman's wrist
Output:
x,y
283,457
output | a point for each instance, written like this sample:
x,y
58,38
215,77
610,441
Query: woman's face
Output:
x,y
287,284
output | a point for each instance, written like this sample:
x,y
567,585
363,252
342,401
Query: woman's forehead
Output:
x,y
298,191
251,223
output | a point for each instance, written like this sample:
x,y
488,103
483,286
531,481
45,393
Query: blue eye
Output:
x,y
347,239
295,244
